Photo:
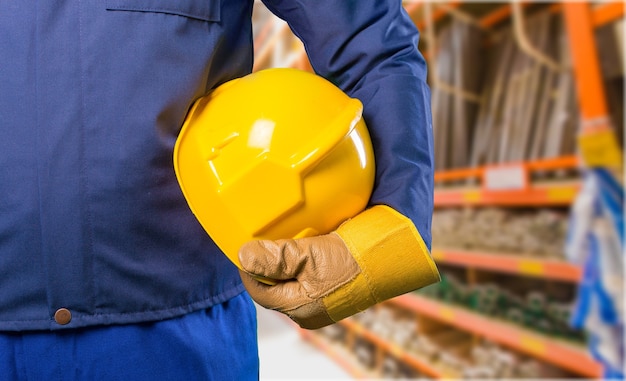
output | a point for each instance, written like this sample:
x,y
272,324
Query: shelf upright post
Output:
x,y
600,151
597,142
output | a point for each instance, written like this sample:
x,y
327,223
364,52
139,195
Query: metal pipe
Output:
x,y
524,44
431,48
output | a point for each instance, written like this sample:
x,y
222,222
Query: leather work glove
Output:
x,y
370,258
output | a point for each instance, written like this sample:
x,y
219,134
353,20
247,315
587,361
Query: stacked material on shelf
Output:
x,y
441,347
610,43
538,232
365,353
530,110
456,80
531,309
423,347
490,361
392,368
394,335
401,330
453,349
389,326
526,110
334,332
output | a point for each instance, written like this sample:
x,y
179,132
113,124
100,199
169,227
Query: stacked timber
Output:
x,y
610,43
456,81
523,109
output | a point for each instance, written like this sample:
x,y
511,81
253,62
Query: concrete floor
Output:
x,y
285,356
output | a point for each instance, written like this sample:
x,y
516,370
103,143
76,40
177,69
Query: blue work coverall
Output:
x,y
98,248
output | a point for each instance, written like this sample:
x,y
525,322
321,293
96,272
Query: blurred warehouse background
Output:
x,y
527,102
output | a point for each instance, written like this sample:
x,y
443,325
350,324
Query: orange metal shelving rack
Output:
x,y
562,354
387,347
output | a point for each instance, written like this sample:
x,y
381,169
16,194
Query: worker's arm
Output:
x,y
371,258
369,49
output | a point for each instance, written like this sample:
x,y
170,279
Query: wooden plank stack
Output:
x,y
610,44
523,110
457,81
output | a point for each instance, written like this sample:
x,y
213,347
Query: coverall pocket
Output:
x,y
207,10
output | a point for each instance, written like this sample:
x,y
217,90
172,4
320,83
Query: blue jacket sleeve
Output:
x,y
369,49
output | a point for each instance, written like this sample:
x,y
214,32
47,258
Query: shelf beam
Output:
x,y
532,193
511,264
558,194
552,164
607,13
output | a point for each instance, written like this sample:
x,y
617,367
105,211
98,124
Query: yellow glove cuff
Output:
x,y
392,257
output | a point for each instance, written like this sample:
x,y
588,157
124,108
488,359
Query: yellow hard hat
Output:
x,y
280,153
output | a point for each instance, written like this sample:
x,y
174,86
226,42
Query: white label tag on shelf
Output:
x,y
509,177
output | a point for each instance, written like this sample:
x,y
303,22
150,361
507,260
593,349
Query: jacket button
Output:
x,y
62,316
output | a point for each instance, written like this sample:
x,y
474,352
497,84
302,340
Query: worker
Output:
x,y
105,273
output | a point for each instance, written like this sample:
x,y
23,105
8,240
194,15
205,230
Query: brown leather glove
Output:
x,y
374,256
307,269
